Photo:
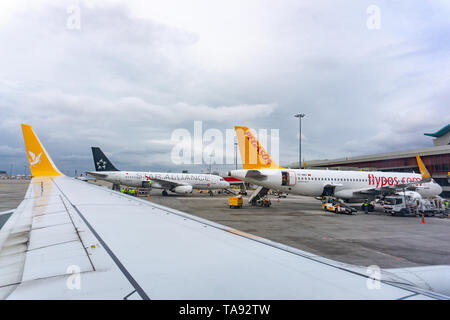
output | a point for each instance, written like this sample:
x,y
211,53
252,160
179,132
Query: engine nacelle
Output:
x,y
183,189
344,194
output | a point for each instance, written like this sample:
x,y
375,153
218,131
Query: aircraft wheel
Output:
x,y
164,193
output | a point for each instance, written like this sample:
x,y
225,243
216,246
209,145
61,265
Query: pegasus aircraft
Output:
x,y
260,169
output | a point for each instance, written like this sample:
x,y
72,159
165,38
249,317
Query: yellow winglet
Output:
x,y
41,165
423,170
253,155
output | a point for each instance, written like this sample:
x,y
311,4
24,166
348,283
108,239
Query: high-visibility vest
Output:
x,y
122,190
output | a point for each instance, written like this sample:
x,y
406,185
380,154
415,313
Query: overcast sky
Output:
x,y
134,71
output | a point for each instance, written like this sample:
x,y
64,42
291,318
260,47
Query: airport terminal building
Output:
x,y
436,159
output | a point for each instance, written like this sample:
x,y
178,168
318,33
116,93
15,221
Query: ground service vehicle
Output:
x,y
336,207
235,202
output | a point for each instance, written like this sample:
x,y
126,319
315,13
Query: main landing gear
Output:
x,y
164,193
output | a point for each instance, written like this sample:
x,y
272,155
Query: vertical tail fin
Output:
x,y
41,165
101,161
253,155
423,170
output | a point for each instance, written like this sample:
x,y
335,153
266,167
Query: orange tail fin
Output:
x,y
423,170
253,155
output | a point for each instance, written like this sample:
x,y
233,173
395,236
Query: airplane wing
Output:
x,y
73,240
96,174
167,184
255,174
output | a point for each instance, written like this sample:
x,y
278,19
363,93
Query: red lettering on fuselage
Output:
x,y
382,181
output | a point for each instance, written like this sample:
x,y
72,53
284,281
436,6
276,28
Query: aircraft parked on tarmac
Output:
x,y
259,169
181,183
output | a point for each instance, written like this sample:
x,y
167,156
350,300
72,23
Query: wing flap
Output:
x,y
43,250
56,260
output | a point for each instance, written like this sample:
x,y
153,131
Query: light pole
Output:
x,y
235,154
299,116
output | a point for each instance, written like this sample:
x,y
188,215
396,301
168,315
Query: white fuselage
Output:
x,y
141,178
344,183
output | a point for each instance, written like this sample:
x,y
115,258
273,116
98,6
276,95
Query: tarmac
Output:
x,y
12,193
361,239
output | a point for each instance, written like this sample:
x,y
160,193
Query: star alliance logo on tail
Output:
x,y
34,159
101,164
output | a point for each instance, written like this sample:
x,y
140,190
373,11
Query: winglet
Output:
x,y
41,165
423,170
253,155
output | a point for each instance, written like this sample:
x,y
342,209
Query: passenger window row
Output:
x,y
335,179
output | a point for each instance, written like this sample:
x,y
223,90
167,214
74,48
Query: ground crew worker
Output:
x,y
366,207
122,190
136,192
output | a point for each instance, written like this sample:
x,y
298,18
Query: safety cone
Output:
x,y
423,219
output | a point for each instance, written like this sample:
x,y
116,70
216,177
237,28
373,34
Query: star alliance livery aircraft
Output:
x,y
181,183
69,239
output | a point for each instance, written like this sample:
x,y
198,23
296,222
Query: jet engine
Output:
x,y
182,189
